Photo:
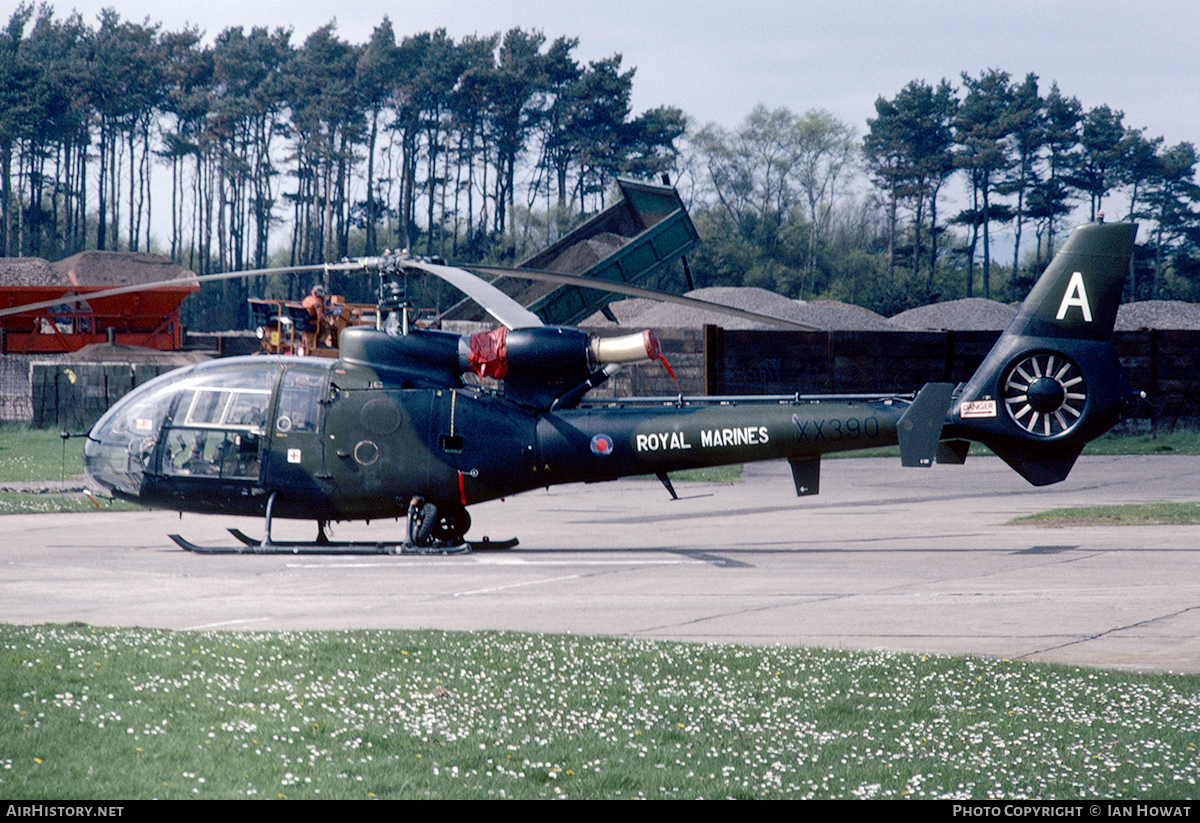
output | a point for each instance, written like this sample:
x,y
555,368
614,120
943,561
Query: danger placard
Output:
x,y
978,408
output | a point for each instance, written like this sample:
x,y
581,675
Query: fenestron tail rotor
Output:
x,y
1045,394
1054,370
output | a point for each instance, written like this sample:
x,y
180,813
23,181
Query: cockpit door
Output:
x,y
295,463
218,427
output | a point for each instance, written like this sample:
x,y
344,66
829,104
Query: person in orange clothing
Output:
x,y
314,303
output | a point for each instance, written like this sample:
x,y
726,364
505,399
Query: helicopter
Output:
x,y
390,429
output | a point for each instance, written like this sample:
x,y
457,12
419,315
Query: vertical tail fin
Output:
x,y
1052,381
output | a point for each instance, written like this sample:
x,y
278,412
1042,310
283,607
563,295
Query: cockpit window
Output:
x,y
212,453
223,408
299,401
218,425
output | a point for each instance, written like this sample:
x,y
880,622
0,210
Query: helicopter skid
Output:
x,y
252,546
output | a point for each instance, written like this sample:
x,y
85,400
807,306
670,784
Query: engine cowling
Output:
x,y
540,365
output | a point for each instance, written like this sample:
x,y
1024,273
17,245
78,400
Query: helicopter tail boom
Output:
x,y
1051,383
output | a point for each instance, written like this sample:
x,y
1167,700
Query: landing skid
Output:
x,y
252,546
422,538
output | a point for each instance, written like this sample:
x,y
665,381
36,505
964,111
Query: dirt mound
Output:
x,y
117,268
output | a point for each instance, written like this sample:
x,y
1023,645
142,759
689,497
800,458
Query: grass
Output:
x,y
94,713
711,474
28,454
1178,442
1133,514
137,713
27,503
36,455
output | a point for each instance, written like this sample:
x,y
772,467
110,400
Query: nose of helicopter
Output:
x,y
113,456
120,446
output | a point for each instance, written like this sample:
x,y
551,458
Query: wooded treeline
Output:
x,y
413,143
783,204
489,148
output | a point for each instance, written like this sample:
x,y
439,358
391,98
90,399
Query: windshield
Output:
x,y
217,410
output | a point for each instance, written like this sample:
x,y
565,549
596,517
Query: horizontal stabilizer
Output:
x,y
920,426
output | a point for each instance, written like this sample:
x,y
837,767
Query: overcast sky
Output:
x,y
717,59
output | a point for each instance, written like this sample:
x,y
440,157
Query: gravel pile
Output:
x,y
574,259
833,315
822,314
978,314
968,314
583,255
1158,314
117,268
90,268
626,310
27,271
113,353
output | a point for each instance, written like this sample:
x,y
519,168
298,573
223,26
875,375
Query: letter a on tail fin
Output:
x,y
1078,295
1052,381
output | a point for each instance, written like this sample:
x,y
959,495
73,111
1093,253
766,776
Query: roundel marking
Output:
x,y
602,445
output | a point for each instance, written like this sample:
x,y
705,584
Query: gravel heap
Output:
x,y
626,311
583,255
575,259
822,314
90,268
117,268
27,271
833,315
978,314
968,314
113,353
1158,314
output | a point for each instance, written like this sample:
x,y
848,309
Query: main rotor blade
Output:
x,y
495,302
70,294
638,291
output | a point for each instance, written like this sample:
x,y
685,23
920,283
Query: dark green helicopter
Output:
x,y
390,429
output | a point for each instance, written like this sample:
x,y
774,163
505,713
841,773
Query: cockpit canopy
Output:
x,y
206,420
